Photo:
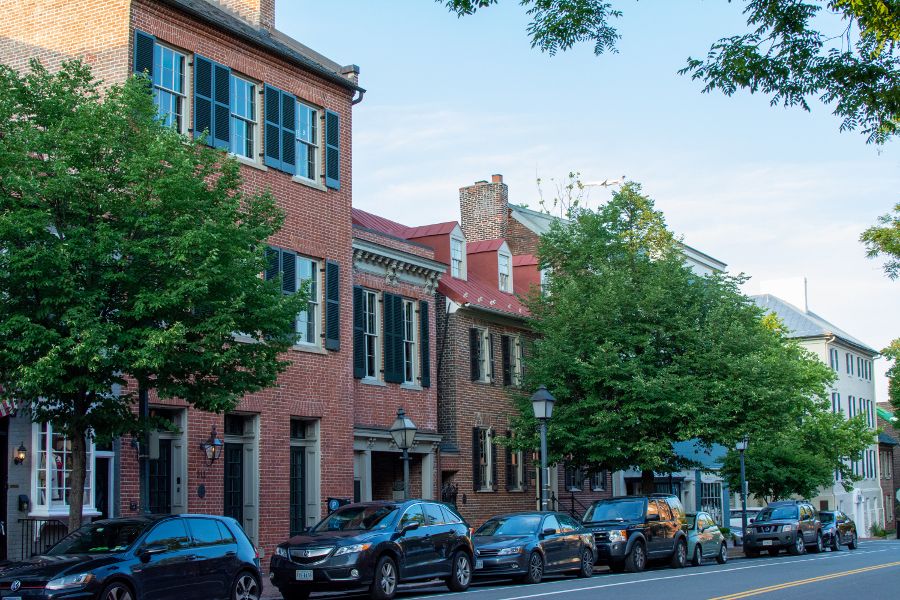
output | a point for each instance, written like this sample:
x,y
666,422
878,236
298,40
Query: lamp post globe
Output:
x,y
542,404
403,431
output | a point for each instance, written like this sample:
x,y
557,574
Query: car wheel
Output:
x,y
535,568
835,542
722,557
751,552
461,576
384,583
798,547
774,551
116,591
853,542
679,557
820,543
697,559
245,587
587,563
636,560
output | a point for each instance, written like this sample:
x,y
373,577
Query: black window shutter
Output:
x,y
476,459
490,369
203,97
273,263
520,349
475,353
393,338
510,469
288,133
424,345
288,272
143,53
273,127
493,464
332,306
506,359
359,337
332,150
221,132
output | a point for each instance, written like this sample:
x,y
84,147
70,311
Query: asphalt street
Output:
x,y
872,572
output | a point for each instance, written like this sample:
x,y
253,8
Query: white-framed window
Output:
x,y
888,508
486,459
887,467
457,258
504,268
515,476
370,312
574,479
833,359
169,92
512,360
849,359
309,320
482,355
410,373
307,142
52,472
243,117
598,481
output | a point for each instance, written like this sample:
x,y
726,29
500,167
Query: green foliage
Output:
x,y
641,352
784,54
884,239
130,254
892,353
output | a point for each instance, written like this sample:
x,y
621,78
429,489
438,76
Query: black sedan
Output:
x,y
376,545
526,546
838,530
181,557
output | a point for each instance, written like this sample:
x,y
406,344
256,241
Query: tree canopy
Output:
x,y
130,257
786,52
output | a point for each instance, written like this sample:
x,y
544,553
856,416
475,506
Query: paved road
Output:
x,y
871,572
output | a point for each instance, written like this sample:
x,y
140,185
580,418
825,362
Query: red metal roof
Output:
x,y
484,246
380,224
480,294
522,260
434,229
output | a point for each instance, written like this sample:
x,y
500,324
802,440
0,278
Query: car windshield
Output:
x,y
826,517
689,521
357,518
774,513
517,525
100,538
615,510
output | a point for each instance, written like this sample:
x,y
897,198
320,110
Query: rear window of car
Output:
x,y
433,514
450,516
205,532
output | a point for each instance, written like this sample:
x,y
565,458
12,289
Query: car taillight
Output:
x,y
471,532
255,552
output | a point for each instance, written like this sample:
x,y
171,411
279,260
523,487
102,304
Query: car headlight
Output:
x,y
749,531
788,527
282,552
351,549
70,581
511,550
618,535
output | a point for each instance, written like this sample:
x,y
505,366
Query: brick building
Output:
x,y
889,463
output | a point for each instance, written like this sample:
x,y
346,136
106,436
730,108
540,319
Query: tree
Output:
x,y
641,352
785,53
130,256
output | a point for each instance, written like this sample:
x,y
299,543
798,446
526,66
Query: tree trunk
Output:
x,y
648,482
76,479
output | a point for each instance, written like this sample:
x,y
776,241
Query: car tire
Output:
x,y
679,557
587,563
774,551
697,558
798,546
245,587
385,580
835,542
535,568
722,556
636,561
820,543
461,572
295,594
853,545
117,590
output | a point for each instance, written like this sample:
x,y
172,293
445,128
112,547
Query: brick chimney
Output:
x,y
259,13
484,209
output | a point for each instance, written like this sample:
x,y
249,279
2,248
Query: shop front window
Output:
x,y
52,474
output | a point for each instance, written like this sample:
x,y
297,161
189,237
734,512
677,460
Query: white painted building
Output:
x,y
853,393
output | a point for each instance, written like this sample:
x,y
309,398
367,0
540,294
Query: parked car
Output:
x,y
376,545
736,523
704,539
791,524
527,546
630,530
838,530
163,556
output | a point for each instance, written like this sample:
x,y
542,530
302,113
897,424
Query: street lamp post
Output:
x,y
404,433
542,403
740,447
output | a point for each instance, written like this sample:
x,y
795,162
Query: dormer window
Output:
x,y
457,258
505,270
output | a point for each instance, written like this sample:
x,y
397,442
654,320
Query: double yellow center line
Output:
x,y
790,584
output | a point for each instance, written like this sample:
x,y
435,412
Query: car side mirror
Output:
x,y
548,531
147,551
751,520
653,517
409,527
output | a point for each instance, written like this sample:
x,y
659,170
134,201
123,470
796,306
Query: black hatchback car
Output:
x,y
376,545
838,529
177,557
525,546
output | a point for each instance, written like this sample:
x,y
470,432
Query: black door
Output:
x,y
234,482
298,491
4,481
161,479
101,492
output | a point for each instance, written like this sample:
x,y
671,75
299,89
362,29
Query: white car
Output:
x,y
735,522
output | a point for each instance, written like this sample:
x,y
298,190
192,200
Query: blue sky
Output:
x,y
775,193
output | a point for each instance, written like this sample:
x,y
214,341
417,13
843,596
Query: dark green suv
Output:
x,y
630,530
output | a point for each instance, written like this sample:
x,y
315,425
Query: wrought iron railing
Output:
x,y
40,534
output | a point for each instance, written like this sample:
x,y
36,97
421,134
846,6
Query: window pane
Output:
x,y
171,534
205,532
243,117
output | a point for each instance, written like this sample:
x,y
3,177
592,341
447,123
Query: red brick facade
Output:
x,y
890,481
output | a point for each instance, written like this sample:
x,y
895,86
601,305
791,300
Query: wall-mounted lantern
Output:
x,y
213,446
21,454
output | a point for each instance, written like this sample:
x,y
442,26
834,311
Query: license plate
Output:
x,y
479,564
767,542
13,598
304,575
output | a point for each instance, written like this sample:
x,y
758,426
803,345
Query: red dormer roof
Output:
x,y
524,260
484,246
479,294
434,229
